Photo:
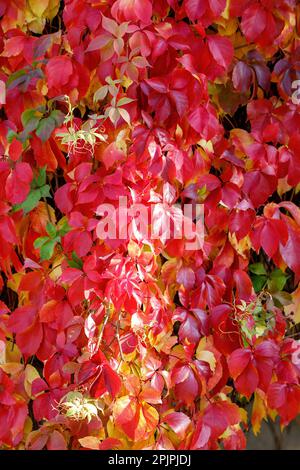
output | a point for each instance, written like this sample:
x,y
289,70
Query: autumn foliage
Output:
x,y
134,343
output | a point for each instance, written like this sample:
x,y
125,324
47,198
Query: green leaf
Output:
x,y
47,249
258,282
23,77
77,260
40,180
38,189
38,242
247,332
11,135
113,114
257,268
124,101
71,396
282,298
30,120
14,78
51,230
125,115
31,126
30,115
72,264
65,228
45,191
101,93
31,201
58,117
45,128
41,46
277,280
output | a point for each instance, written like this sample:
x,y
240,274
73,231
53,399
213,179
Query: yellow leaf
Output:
x,y
115,432
27,426
283,186
259,411
2,352
227,27
14,281
226,12
244,415
37,26
242,247
142,445
39,217
121,139
137,420
293,309
134,249
90,442
148,422
38,7
207,356
169,271
12,367
240,45
126,81
206,145
241,139
30,375
56,270
52,9
12,353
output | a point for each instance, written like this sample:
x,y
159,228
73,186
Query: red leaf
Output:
x,y
107,380
254,21
201,437
21,318
238,361
15,150
178,422
143,10
285,398
18,183
290,250
221,49
110,443
186,276
277,395
58,70
242,76
30,340
204,122
112,380
247,382
186,385
56,441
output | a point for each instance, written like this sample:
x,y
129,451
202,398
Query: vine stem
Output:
x,y
118,339
106,317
